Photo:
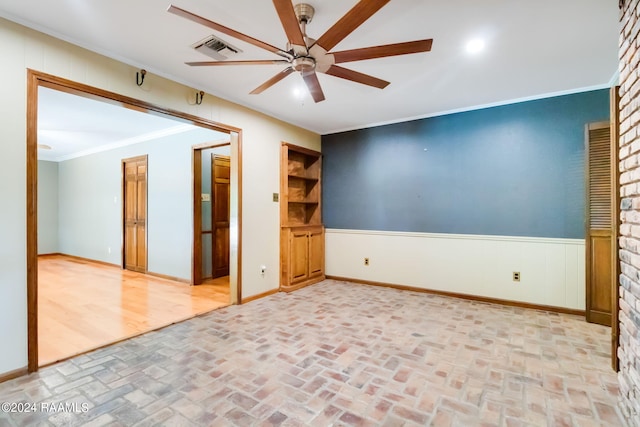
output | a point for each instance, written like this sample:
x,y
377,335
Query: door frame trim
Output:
x,y
196,177
35,79
614,118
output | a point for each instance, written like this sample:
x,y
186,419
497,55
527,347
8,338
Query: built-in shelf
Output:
x,y
306,178
300,186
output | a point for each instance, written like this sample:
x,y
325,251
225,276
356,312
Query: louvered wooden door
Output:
x,y
600,236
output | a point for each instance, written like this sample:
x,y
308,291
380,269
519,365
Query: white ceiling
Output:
x,y
73,126
533,48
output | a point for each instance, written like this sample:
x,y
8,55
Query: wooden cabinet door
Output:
x,y
316,252
298,256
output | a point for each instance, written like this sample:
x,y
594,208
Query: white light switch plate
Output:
x,y
206,197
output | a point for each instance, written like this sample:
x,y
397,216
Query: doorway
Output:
x,y
214,189
37,80
602,221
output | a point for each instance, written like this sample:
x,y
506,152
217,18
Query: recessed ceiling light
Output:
x,y
475,46
44,147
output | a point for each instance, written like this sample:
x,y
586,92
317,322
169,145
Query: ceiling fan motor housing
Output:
x,y
304,12
303,64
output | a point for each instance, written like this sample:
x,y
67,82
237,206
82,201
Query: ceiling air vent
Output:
x,y
216,48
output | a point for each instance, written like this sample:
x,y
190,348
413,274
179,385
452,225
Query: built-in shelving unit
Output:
x,y
302,232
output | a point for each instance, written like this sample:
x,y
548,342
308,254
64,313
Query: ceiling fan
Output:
x,y
308,56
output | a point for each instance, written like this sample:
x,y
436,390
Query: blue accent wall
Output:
x,y
513,170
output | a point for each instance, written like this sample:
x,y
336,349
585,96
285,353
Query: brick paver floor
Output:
x,y
338,354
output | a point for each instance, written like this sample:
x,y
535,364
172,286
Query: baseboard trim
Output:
x,y
499,301
300,285
50,255
89,260
262,295
13,374
166,277
79,258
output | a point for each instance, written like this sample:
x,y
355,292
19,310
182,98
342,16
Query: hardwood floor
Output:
x,y
83,305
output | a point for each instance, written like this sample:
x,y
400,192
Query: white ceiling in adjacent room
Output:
x,y
72,126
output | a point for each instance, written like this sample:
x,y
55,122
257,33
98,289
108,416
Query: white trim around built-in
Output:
x,y
551,270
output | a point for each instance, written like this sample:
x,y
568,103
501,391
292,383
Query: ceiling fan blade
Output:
x,y
313,84
289,22
228,31
273,80
255,62
356,76
362,11
417,46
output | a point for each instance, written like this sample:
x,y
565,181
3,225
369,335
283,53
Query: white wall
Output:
x,y
91,202
23,48
47,207
552,270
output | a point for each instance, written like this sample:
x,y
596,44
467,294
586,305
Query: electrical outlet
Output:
x,y
109,250
366,261
516,276
276,197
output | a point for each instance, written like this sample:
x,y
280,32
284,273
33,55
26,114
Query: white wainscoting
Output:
x,y
552,270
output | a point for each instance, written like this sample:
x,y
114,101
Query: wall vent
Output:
x,y
216,48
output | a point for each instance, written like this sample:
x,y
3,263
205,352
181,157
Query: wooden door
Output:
x,y
221,189
135,213
298,258
601,241
316,252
